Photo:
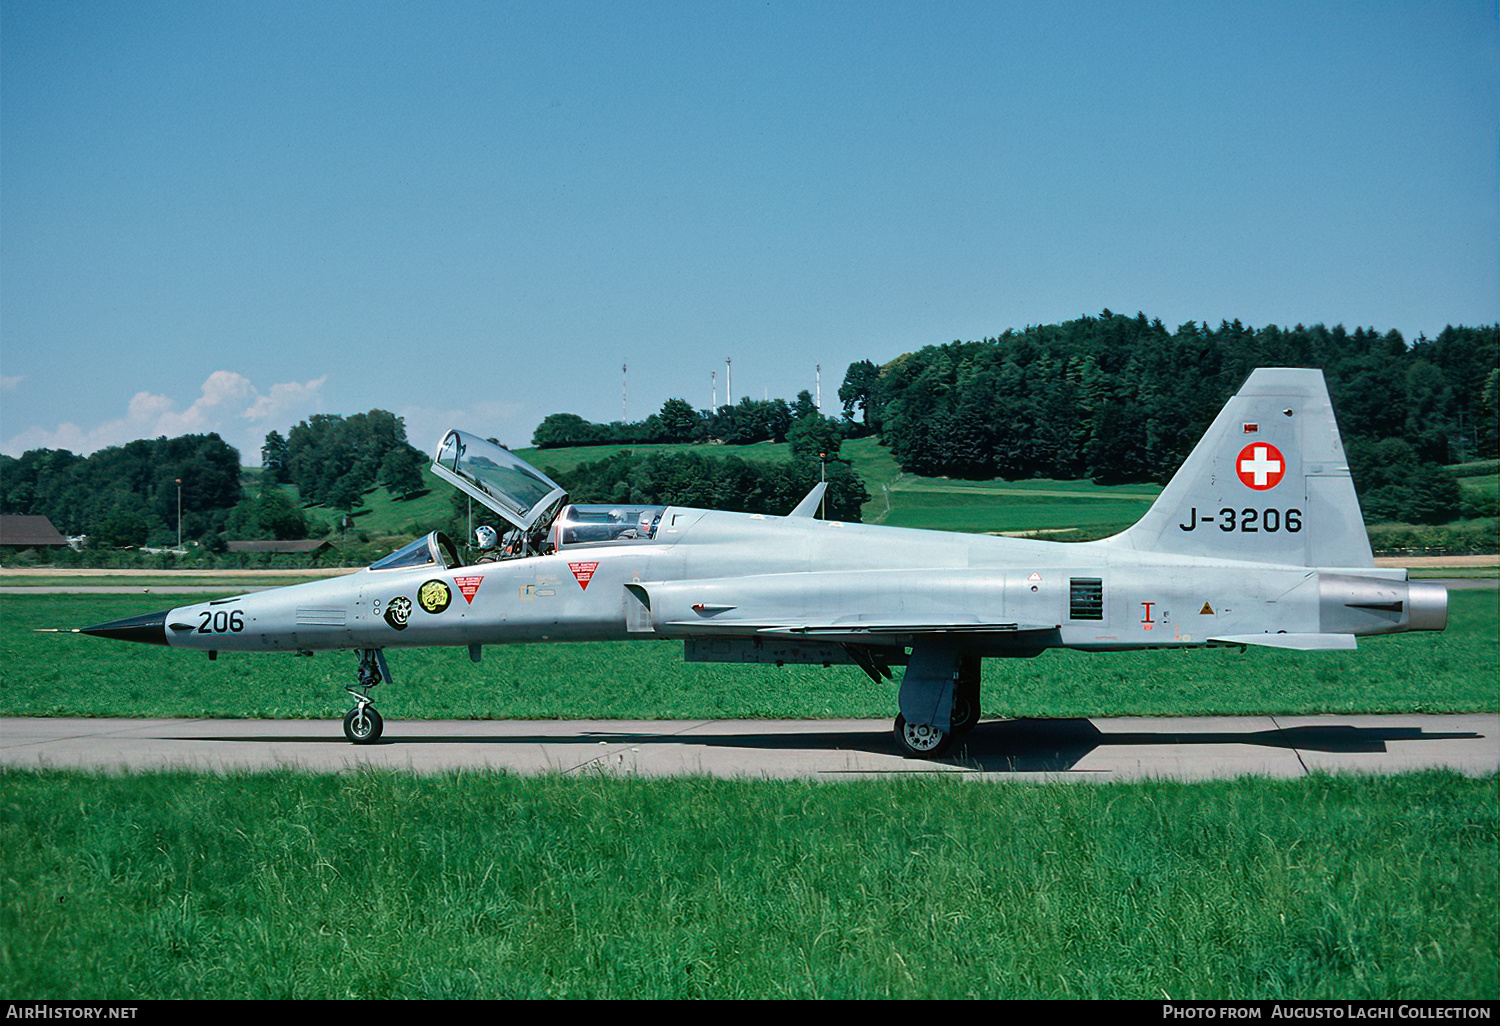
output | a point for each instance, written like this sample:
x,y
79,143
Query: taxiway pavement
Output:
x,y
1068,749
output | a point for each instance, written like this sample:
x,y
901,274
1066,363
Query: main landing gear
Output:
x,y
363,724
920,741
928,741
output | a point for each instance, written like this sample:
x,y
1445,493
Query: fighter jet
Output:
x,y
1257,540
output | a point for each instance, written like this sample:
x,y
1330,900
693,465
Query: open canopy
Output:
x,y
499,479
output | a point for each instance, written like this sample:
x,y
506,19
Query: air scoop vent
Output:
x,y
321,617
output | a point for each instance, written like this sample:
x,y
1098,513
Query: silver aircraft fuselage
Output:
x,y
1256,540
824,581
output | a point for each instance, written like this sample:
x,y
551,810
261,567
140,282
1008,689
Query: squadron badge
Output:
x,y
434,596
398,611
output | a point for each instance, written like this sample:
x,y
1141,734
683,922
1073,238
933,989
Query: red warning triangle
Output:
x,y
468,587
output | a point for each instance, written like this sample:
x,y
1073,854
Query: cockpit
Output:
x,y
436,549
538,518
591,525
500,479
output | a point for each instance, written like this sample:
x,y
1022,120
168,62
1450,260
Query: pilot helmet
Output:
x,y
486,537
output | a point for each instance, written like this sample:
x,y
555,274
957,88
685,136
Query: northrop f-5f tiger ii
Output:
x,y
1257,540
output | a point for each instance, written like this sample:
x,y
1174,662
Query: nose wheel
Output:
x,y
363,724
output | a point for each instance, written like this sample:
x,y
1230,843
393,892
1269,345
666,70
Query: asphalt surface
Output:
x,y
1074,749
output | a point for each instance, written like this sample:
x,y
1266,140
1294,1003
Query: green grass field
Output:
x,y
905,500
480,885
382,514
71,674
477,885
1067,509
1482,491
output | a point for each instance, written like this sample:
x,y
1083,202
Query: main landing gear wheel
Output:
x,y
965,711
920,741
362,725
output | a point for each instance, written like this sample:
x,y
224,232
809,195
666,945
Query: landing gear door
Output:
x,y
501,480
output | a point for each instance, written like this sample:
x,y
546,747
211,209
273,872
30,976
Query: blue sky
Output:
x,y
220,216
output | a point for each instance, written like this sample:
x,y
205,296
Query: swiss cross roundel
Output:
x,y
1260,466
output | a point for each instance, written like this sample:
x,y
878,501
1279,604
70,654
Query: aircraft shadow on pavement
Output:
x,y
995,746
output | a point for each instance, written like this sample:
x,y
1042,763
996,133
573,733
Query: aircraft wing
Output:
x,y
797,606
844,627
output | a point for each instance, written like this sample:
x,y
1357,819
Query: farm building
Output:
x,y
29,532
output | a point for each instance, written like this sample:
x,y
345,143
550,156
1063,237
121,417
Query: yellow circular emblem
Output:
x,y
434,596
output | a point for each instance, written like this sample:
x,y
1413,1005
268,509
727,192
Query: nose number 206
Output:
x,y
221,621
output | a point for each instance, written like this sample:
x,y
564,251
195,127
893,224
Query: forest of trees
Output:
x,y
743,423
1111,398
127,494
1116,399
334,460
1119,399
691,477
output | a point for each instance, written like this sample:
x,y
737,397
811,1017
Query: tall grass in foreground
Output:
x,y
378,885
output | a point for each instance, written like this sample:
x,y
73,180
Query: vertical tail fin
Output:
x,y
1268,482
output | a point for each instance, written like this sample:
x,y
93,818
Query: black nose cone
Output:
x,y
150,628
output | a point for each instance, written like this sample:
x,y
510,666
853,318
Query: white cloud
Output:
x,y
8,383
425,425
228,403
287,402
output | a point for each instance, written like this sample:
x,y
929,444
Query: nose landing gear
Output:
x,y
363,724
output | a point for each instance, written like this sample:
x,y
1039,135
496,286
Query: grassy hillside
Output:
x,y
1069,510
905,500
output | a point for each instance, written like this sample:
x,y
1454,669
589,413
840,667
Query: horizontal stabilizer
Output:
x,y
1300,642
